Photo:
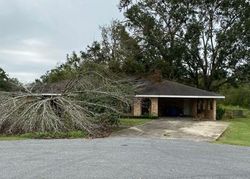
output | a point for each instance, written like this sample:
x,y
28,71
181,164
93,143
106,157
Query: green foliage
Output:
x,y
231,112
193,41
64,71
220,113
201,43
6,83
237,96
230,107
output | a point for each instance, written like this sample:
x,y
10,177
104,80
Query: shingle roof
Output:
x,y
173,89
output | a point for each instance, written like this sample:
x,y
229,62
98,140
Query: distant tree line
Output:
x,y
8,84
239,96
202,43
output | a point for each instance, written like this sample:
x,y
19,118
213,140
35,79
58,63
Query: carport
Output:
x,y
172,99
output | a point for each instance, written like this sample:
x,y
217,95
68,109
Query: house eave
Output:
x,y
180,96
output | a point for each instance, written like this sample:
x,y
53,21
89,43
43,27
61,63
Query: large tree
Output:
x,y
204,42
117,49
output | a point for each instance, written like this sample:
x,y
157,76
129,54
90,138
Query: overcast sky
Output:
x,y
36,35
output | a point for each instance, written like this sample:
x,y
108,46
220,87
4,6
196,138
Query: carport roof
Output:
x,y
170,89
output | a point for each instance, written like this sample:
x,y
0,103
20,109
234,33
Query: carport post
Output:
x,y
214,109
137,107
154,107
211,109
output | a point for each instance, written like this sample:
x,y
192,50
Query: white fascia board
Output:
x,y
179,96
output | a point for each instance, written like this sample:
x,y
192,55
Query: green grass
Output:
x,y
10,138
238,132
46,135
124,123
130,122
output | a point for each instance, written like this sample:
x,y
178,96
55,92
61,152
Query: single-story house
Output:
x,y
167,98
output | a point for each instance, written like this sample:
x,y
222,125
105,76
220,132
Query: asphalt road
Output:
x,y
122,158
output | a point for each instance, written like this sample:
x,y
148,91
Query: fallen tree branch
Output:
x,y
89,103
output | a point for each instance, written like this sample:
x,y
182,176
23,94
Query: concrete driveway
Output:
x,y
132,158
176,128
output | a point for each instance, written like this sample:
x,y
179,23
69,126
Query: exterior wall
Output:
x,y
154,107
201,109
206,109
137,107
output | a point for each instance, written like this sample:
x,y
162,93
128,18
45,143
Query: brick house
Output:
x,y
167,98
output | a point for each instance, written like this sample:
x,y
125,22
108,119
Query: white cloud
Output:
x,y
18,52
33,42
25,77
26,56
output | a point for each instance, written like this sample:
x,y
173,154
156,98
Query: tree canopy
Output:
x,y
6,83
202,43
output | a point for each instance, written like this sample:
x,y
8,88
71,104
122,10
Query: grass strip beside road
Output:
x,y
238,132
124,123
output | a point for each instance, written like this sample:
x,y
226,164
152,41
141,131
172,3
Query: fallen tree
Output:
x,y
91,102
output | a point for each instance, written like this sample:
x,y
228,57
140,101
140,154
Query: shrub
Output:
x,y
220,113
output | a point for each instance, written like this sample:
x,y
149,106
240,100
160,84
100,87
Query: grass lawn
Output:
x,y
46,135
9,138
130,122
238,132
124,123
